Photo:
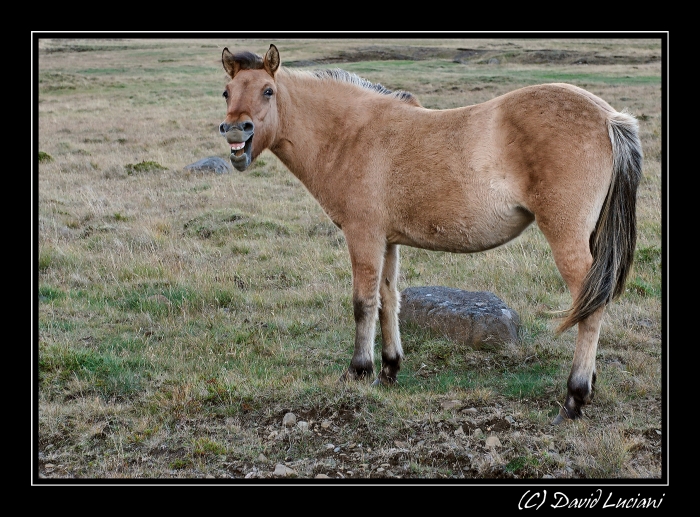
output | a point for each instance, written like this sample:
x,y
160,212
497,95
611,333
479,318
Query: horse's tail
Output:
x,y
614,238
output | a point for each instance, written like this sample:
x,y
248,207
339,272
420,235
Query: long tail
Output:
x,y
615,236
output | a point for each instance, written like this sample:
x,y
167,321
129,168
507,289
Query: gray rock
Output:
x,y
210,164
493,441
478,319
283,471
289,420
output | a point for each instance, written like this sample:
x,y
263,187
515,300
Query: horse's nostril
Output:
x,y
223,127
248,126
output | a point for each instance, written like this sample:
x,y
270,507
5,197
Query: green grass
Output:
x,y
445,70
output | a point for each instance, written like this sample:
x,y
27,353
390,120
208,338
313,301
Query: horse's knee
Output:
x,y
364,309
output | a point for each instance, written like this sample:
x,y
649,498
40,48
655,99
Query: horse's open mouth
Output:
x,y
240,154
241,143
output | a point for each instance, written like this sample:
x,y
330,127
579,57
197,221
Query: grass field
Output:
x,y
179,315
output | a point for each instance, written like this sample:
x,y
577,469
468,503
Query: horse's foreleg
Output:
x,y
581,383
392,353
367,258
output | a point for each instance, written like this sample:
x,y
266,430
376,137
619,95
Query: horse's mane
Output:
x,y
250,61
338,74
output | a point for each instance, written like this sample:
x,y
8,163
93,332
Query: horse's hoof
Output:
x,y
347,378
351,375
559,419
562,417
384,380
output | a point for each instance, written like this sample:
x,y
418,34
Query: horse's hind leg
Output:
x,y
573,258
392,353
581,383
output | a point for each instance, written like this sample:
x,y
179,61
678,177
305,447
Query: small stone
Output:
x,y
493,441
283,471
289,420
450,404
321,476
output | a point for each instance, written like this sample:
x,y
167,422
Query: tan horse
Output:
x,y
390,172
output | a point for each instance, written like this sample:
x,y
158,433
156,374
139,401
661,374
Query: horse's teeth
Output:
x,y
238,145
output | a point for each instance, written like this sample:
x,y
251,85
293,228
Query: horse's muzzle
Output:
x,y
237,134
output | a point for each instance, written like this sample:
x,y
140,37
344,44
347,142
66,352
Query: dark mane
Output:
x,y
248,60
338,74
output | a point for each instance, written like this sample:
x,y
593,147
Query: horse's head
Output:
x,y
251,106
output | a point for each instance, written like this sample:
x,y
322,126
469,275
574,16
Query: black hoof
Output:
x,y
352,374
571,410
389,372
578,395
561,417
384,380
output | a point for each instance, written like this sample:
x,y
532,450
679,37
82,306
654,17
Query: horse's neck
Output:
x,y
310,120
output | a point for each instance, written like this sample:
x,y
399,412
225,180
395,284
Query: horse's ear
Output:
x,y
272,60
230,64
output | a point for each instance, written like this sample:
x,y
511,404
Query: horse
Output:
x,y
389,172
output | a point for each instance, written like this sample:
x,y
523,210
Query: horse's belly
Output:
x,y
464,235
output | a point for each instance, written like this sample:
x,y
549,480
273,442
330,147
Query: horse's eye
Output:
x,y
225,94
268,92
